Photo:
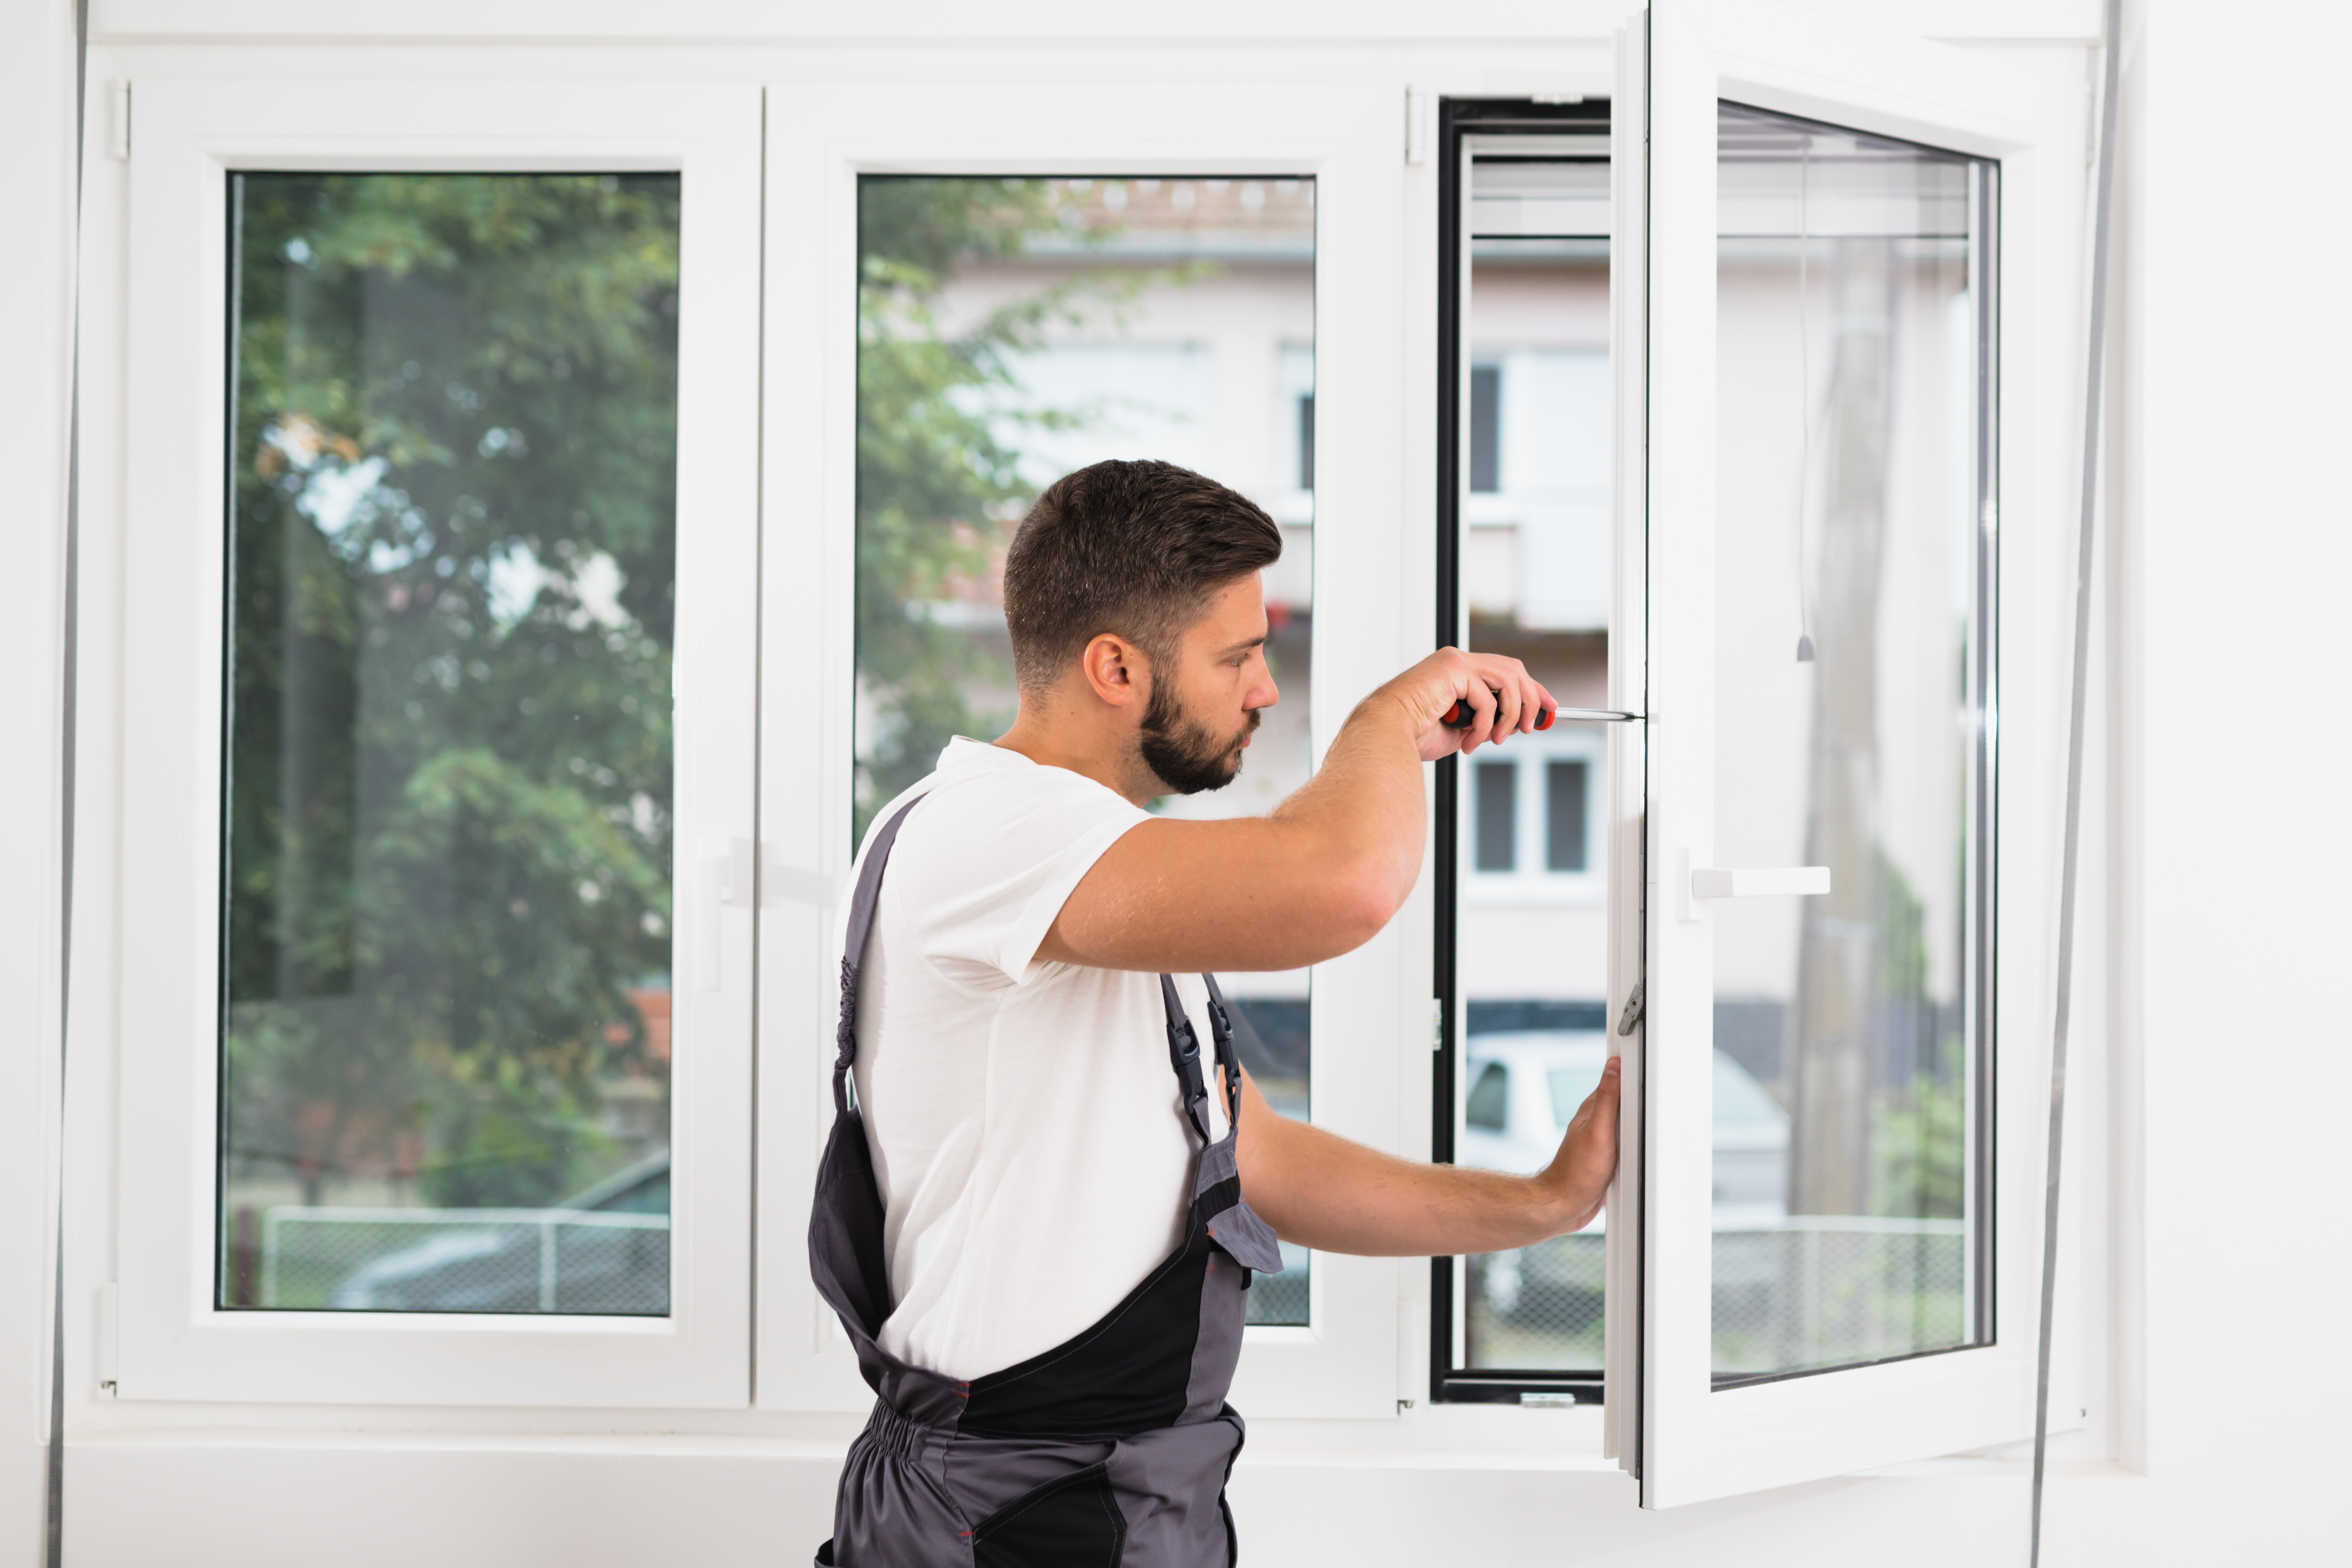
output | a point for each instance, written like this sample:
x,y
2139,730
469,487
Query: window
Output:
x,y
1010,332
1485,429
995,302
749,560
1567,797
1525,568
446,963
1835,255
442,1018
1532,819
1497,832
1307,441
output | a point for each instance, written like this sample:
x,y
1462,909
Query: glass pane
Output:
x,y
1850,658
1531,944
447,1042
1011,330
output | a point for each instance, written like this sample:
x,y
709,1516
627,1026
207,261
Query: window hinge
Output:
x,y
1418,130
1437,1023
118,120
109,1335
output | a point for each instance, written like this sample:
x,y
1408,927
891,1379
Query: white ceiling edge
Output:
x,y
1009,21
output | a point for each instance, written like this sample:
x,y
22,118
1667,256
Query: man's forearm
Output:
x,y
1321,1191
1318,878
1363,809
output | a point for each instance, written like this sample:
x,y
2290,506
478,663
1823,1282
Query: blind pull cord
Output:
x,y
2094,386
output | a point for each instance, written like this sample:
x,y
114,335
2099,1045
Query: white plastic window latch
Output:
x,y
730,877
737,882
1699,884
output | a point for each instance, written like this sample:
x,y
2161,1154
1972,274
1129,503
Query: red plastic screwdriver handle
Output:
x,y
1460,715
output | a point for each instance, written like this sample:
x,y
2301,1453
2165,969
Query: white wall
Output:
x,y
2239,543
2220,822
36,192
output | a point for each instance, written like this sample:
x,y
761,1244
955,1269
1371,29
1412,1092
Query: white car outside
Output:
x,y
1519,1090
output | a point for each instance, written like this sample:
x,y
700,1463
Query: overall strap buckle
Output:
x,y
1221,1030
1185,1055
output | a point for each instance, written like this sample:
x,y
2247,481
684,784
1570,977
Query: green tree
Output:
x,y
939,415
453,605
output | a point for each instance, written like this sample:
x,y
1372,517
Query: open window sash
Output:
x,y
1686,1414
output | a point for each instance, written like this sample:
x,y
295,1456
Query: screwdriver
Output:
x,y
1460,715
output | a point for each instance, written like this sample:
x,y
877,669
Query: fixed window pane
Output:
x,y
1012,331
446,968
1852,335
1565,790
1498,816
1532,542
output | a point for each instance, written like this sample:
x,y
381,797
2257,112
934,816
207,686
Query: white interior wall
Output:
x,y
2216,934
37,192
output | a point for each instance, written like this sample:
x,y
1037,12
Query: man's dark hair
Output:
x,y
1135,549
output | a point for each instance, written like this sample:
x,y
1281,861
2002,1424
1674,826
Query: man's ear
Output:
x,y
1116,671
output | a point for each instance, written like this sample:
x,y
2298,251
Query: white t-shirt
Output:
x,y
1028,1137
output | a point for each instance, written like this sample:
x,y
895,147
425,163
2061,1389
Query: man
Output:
x,y
1038,1220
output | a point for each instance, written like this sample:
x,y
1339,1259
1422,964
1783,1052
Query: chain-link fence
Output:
x,y
1281,1298
466,1260
1537,1309
1790,1292
1806,1291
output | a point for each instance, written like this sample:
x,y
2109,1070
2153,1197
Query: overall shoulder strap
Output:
x,y
1185,1055
853,947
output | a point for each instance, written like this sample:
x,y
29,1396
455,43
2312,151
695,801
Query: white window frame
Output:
x,y
175,1344
822,137
1695,1443
130,726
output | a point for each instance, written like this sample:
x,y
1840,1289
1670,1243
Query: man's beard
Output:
x,y
1184,753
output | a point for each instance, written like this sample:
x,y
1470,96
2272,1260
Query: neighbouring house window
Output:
x,y
1485,429
446,966
1565,829
1307,441
1497,809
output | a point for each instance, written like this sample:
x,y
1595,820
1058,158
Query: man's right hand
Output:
x,y
1504,698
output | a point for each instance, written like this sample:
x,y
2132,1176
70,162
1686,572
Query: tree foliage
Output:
x,y
939,411
453,604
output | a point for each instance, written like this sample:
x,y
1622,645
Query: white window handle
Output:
x,y
1696,884
1709,883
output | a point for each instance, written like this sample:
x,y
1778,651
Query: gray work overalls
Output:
x,y
1112,1449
